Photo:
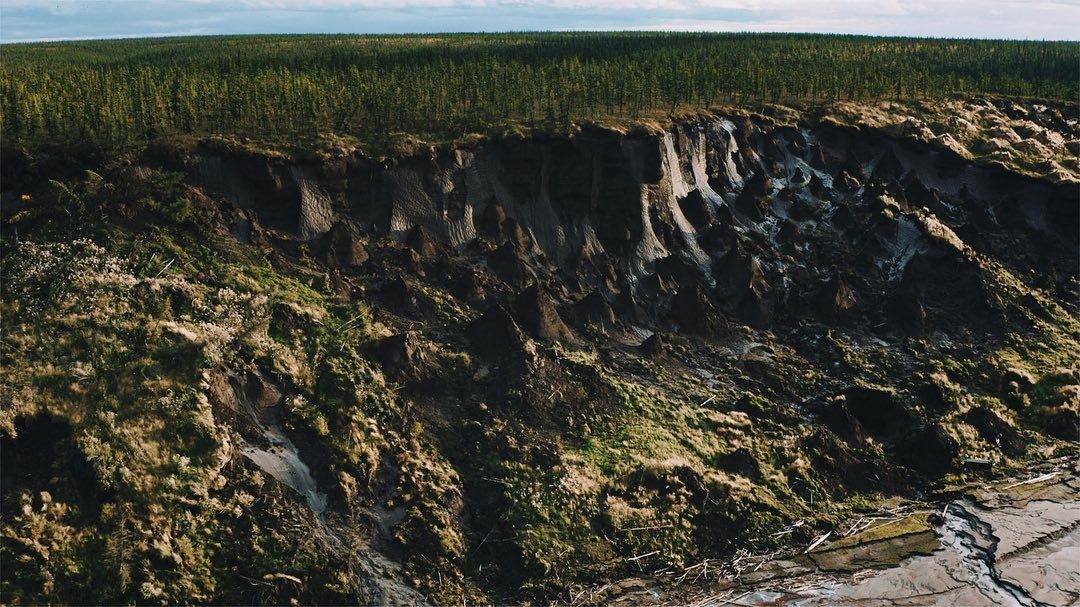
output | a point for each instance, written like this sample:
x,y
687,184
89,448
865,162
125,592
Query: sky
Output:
x,y
28,20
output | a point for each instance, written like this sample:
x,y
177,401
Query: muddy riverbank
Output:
x,y
1011,542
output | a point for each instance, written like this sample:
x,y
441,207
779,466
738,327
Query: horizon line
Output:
x,y
175,35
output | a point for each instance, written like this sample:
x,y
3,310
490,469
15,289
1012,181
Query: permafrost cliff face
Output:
x,y
759,221
632,243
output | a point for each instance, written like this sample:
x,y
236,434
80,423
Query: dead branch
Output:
x,y
1037,479
817,542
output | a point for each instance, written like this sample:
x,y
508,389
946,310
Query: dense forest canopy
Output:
x,y
121,92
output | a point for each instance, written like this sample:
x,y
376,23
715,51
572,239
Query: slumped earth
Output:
x,y
576,367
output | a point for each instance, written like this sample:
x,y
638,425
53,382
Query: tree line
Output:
x,y
121,92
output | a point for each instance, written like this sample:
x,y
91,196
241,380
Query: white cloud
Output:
x,y
1039,19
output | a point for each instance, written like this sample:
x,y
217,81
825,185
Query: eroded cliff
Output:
x,y
514,369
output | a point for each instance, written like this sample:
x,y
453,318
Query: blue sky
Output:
x,y
24,20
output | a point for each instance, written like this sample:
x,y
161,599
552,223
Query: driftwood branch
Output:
x,y
641,556
1037,479
818,542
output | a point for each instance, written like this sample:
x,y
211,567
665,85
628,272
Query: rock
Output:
x,y
888,168
653,286
915,128
752,207
846,181
758,185
977,463
675,270
1017,380
837,416
938,396
817,159
244,230
733,273
594,309
288,317
342,287
941,235
342,246
469,286
628,308
742,462
740,279
879,411
510,266
516,234
756,306
842,218
856,161
396,294
1000,138
885,205
836,302
996,431
490,222
411,263
1062,422
1033,148
803,210
496,334
423,242
950,143
928,450
752,200
789,231
401,356
905,310
653,345
693,312
998,148
1016,111
535,310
